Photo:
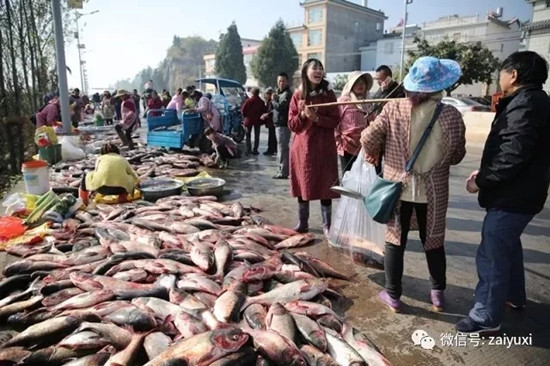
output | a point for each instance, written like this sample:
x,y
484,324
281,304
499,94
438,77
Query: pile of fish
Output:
x,y
184,281
147,163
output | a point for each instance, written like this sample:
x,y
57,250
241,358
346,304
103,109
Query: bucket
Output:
x,y
51,153
36,175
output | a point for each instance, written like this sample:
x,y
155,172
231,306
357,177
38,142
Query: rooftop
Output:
x,y
348,4
542,24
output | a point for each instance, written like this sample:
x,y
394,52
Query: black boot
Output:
x,y
326,214
303,217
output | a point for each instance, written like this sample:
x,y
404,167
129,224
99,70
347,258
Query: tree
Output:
x,y
229,56
276,54
477,62
340,82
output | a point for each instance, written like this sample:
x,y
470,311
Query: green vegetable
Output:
x,y
42,205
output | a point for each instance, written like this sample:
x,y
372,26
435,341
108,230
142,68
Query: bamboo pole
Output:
x,y
364,101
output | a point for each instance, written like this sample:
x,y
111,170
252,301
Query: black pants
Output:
x,y
223,153
249,138
127,133
347,161
108,121
323,202
272,141
104,190
393,257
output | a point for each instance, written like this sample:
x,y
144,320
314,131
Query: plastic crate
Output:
x,y
168,139
51,153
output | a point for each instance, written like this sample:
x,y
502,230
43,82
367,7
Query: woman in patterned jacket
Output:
x,y
425,195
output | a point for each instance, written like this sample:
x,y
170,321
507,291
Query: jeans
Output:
x,y
283,148
249,138
393,255
499,262
346,161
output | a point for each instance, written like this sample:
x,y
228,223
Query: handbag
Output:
x,y
384,194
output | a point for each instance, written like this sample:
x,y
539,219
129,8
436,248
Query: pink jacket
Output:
x,y
176,103
348,132
48,115
128,114
205,105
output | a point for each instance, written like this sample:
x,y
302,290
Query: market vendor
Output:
x,y
48,115
129,119
113,175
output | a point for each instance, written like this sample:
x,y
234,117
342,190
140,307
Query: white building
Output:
x,y
537,32
502,37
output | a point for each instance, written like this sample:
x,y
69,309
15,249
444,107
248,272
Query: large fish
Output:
x,y
127,355
60,296
279,320
85,300
202,349
161,308
131,315
299,290
341,351
85,339
155,343
30,304
202,256
364,347
276,348
48,331
244,357
222,254
96,359
200,284
311,331
118,337
321,267
311,309
26,266
189,325
255,316
316,357
228,304
88,282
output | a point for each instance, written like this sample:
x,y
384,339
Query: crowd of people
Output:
x,y
512,181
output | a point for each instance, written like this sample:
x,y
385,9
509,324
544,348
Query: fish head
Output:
x,y
320,340
295,358
255,273
229,339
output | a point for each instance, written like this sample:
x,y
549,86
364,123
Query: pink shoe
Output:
x,y
437,298
393,304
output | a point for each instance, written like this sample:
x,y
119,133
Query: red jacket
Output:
x,y
252,110
155,104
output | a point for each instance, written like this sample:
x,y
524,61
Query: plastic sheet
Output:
x,y
352,229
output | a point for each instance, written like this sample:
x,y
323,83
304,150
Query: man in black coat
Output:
x,y
512,182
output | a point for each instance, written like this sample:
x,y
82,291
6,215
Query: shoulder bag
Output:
x,y
384,194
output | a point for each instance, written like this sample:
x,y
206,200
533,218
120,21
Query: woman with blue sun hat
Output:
x,y
423,203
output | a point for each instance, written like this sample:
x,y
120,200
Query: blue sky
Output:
x,y
129,35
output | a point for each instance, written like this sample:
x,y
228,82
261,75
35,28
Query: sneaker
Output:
x,y
437,297
469,325
393,304
513,306
280,176
255,152
268,153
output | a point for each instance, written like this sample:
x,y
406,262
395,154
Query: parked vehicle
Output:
x,y
228,98
481,101
466,105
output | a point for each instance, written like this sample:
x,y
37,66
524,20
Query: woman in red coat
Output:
x,y
252,111
313,157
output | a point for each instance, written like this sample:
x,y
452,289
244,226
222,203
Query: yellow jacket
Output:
x,y
112,170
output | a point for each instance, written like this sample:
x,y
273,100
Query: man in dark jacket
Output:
x,y
281,103
512,182
388,87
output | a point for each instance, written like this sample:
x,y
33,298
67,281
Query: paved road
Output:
x,y
249,180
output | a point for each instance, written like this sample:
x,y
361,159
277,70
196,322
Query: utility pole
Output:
x,y
80,47
61,66
405,16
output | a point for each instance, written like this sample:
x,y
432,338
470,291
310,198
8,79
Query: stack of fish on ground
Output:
x,y
148,163
184,281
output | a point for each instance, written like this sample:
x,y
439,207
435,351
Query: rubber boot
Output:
x,y
326,214
303,217
84,196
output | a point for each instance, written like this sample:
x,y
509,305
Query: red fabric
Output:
x,y
252,110
348,132
155,104
313,157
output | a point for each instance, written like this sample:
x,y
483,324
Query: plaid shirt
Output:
x,y
391,130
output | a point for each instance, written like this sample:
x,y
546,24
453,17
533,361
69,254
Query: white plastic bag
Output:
x,y
14,203
352,229
70,148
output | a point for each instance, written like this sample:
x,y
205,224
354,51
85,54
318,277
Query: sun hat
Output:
x,y
352,79
121,92
429,75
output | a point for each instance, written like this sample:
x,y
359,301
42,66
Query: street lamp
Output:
x,y
405,16
81,46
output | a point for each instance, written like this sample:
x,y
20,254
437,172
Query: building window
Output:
x,y
296,39
388,48
315,15
317,55
314,37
